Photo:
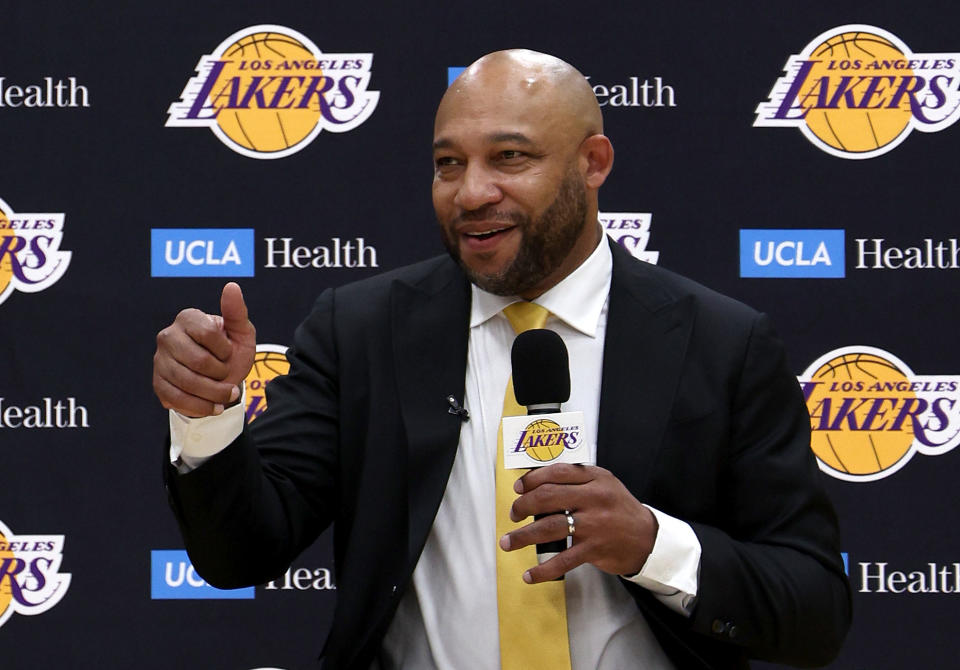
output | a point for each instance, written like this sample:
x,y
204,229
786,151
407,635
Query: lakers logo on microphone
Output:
x,y
544,440
870,413
857,91
269,362
267,91
538,440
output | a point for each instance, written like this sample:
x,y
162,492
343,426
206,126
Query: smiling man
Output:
x,y
519,160
701,538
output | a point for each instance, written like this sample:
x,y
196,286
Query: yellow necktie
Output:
x,y
533,617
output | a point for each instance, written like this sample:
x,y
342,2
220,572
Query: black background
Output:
x,y
700,168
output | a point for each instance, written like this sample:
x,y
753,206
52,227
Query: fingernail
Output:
x,y
505,543
527,578
518,486
234,393
217,410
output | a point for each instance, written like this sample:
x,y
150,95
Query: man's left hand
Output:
x,y
614,531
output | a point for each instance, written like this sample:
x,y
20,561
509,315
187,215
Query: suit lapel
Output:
x,y
646,341
431,324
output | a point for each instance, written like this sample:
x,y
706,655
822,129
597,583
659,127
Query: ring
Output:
x,y
571,527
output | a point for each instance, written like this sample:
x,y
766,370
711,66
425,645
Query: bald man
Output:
x,y
702,537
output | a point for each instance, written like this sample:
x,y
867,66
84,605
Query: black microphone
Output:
x,y
541,382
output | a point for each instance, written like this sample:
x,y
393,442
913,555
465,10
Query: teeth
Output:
x,y
486,232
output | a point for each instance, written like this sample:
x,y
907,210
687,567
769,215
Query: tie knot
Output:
x,y
524,316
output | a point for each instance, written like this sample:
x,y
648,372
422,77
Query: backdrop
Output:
x,y
798,156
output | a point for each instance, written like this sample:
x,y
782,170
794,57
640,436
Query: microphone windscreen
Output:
x,y
541,368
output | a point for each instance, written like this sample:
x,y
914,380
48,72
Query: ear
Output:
x,y
596,160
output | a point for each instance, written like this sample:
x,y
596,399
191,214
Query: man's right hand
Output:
x,y
201,358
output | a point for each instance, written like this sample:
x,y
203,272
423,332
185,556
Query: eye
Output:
x,y
445,164
511,155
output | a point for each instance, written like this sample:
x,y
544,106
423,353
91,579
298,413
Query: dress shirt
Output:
x,y
449,618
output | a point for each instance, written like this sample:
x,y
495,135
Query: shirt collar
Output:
x,y
577,300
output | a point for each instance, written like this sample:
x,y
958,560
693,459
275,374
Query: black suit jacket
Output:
x,y
700,417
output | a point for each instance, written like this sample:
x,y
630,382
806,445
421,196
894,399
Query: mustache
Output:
x,y
489,214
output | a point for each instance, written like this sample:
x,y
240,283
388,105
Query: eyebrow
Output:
x,y
494,138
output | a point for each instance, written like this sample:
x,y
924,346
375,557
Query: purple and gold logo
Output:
x,y
270,361
267,91
30,256
870,413
30,580
857,91
544,440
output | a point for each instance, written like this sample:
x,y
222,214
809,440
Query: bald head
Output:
x,y
519,156
547,87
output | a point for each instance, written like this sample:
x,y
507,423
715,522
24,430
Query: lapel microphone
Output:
x,y
456,409
541,382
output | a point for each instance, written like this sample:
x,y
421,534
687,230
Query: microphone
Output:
x,y
541,382
541,371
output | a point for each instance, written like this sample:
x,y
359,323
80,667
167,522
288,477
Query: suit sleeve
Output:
x,y
771,577
249,510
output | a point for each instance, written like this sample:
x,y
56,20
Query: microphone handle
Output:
x,y
547,550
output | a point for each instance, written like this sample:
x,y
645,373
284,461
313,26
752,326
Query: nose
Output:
x,y
478,188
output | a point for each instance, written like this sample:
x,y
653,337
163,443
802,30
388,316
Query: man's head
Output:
x,y
519,155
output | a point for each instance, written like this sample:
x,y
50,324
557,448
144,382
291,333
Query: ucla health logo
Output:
x,y
792,253
870,414
30,256
269,362
632,231
267,91
857,91
30,579
201,252
172,577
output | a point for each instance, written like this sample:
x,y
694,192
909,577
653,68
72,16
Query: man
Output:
x,y
702,537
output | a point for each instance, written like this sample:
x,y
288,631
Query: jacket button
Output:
x,y
727,628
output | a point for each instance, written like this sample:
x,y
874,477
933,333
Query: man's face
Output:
x,y
508,196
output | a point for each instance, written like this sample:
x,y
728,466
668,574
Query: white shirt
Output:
x,y
449,618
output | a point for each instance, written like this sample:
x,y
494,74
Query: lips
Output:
x,y
484,237
486,234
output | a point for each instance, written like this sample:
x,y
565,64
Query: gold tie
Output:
x,y
533,617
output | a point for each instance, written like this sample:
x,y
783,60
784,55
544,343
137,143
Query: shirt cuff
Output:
x,y
672,570
193,441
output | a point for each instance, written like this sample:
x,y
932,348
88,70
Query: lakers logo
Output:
x,y
30,256
30,581
857,91
544,440
632,231
270,361
267,91
870,413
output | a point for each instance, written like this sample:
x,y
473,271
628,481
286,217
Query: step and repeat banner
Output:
x,y
800,157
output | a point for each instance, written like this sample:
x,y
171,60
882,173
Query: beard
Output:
x,y
545,241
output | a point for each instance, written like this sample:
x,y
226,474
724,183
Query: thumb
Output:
x,y
234,310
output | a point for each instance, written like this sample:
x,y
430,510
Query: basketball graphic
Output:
x,y
857,91
269,362
30,256
6,590
273,127
850,126
545,432
267,91
870,414
846,437
6,260
30,579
